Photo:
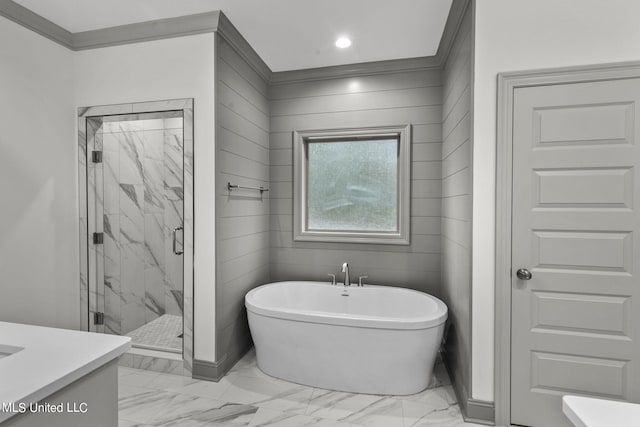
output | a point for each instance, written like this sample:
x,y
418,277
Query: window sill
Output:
x,y
338,237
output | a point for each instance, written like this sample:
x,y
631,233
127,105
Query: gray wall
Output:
x,y
385,99
456,204
242,216
38,179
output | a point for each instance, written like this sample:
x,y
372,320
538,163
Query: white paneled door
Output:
x,y
575,247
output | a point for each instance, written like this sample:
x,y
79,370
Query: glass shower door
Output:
x,y
139,207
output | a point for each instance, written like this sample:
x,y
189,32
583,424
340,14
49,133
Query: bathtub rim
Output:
x,y
433,320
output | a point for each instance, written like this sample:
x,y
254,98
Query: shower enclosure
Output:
x,y
136,228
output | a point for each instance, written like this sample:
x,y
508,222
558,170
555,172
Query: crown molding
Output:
x,y
232,36
451,28
217,22
159,29
208,22
36,23
113,36
352,70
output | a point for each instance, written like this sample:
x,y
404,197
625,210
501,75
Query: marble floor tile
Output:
x,y
433,395
157,364
170,382
415,413
124,371
338,405
142,405
248,397
247,363
126,390
449,417
200,411
191,387
359,409
128,423
135,377
253,371
269,417
386,413
268,393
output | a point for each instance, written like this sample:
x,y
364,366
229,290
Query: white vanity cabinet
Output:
x,y
57,377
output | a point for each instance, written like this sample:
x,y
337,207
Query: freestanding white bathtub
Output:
x,y
371,339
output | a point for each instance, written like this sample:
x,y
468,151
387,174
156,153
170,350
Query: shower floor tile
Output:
x,y
163,333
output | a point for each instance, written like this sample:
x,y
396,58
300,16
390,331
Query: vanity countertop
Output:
x,y
36,361
592,412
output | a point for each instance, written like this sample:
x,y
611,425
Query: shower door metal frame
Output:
x,y
90,300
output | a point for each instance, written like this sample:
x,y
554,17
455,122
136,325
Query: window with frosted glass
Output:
x,y
352,185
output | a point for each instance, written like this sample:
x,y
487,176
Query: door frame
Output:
x,y
88,291
507,83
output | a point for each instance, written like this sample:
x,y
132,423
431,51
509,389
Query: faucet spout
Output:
x,y
345,270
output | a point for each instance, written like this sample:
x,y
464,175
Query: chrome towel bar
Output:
x,y
231,186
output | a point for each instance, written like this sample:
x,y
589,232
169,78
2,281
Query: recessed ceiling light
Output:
x,y
343,42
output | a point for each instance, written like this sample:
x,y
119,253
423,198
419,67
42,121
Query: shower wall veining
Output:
x,y
242,216
412,97
143,201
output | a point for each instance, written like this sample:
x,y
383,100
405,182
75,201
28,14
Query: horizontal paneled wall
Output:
x,y
242,216
456,205
413,98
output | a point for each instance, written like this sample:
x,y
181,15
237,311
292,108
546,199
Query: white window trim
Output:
x,y
300,231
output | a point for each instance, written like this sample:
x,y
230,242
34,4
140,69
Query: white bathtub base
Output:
x,y
346,358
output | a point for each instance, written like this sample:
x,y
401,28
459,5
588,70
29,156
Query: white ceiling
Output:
x,y
287,34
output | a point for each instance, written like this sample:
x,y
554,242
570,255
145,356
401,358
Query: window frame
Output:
x,y
300,227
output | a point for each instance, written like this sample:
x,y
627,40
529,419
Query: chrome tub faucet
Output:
x,y
345,270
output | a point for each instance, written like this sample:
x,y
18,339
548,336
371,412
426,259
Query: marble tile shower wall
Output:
x,y
143,202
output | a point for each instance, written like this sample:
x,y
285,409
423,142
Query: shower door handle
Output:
x,y
175,241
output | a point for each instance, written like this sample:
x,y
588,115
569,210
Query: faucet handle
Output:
x,y
360,280
333,278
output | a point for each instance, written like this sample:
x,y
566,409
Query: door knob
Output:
x,y
524,274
